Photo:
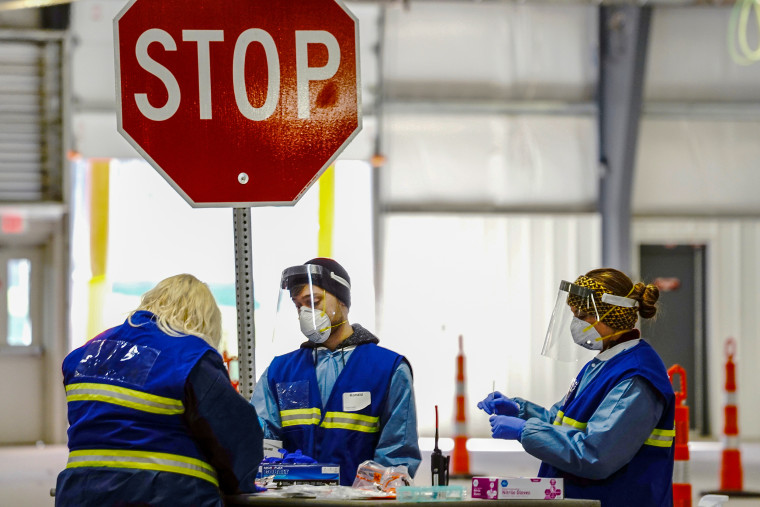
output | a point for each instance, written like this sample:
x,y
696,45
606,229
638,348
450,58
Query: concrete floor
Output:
x,y
28,473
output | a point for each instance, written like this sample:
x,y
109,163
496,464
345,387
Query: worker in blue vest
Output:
x,y
340,398
611,437
154,419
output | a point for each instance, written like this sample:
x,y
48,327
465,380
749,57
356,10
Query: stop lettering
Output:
x,y
238,103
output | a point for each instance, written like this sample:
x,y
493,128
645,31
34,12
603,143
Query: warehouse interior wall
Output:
x,y
485,119
732,246
34,239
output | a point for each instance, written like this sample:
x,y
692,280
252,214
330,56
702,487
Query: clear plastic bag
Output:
x,y
372,476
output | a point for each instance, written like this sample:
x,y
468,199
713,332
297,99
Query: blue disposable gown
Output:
x,y
614,434
398,444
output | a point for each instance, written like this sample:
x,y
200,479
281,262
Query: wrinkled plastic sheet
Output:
x,y
325,492
117,360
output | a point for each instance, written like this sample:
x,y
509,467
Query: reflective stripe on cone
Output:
x,y
681,480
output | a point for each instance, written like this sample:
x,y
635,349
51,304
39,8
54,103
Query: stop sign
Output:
x,y
241,102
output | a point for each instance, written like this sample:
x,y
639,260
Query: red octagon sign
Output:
x,y
240,102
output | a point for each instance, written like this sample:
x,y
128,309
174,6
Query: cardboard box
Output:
x,y
285,475
272,448
493,488
531,488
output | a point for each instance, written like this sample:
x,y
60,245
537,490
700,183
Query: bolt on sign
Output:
x,y
238,103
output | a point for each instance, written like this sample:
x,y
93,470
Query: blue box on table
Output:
x,y
287,474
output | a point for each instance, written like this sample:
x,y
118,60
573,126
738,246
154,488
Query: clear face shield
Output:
x,y
304,307
567,327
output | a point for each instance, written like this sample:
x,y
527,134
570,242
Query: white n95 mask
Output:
x,y
586,338
315,326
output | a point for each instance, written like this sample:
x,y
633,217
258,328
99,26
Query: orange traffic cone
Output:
x,y
681,484
460,456
731,473
233,369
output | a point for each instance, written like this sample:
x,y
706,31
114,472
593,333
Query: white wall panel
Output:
x,y
93,81
491,49
733,276
493,279
94,135
697,167
689,60
362,147
368,15
21,392
541,162
93,78
92,20
55,334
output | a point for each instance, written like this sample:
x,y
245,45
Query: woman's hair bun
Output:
x,y
647,296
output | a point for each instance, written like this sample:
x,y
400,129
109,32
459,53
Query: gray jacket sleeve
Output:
x,y
224,425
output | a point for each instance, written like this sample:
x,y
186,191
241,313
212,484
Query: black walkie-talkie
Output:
x,y
439,463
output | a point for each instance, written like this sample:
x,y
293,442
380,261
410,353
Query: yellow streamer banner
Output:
x,y
326,212
99,188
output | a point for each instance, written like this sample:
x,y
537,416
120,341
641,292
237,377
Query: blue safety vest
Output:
x,y
647,479
125,391
347,429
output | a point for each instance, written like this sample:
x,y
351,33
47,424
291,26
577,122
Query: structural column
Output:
x,y
623,37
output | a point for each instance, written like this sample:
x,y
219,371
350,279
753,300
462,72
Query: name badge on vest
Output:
x,y
353,402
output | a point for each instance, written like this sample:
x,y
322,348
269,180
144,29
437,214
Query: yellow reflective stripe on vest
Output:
x,y
658,438
130,398
143,460
561,420
661,438
296,416
351,421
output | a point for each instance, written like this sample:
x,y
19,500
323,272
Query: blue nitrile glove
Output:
x,y
497,403
506,427
298,457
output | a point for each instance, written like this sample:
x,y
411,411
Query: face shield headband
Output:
x,y
310,284
575,303
559,343
618,312
313,274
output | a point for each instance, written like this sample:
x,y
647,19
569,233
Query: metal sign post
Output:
x,y
244,298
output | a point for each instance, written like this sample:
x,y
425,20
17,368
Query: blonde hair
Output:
x,y
183,305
